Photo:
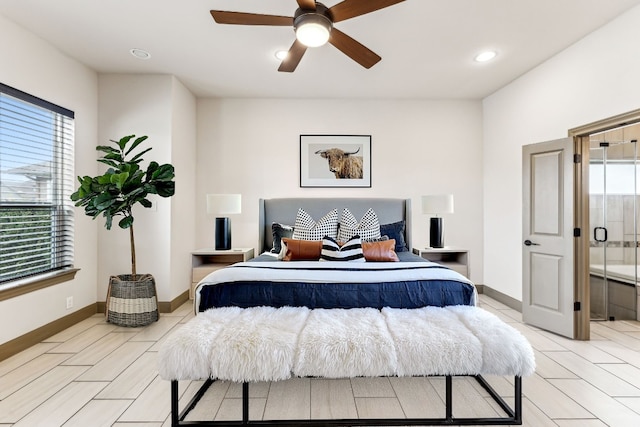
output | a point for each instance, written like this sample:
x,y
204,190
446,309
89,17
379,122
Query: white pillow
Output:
x,y
350,251
306,228
368,229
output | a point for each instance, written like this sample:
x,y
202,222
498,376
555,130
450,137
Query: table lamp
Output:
x,y
437,204
220,205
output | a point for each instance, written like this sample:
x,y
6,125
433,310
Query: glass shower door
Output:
x,y
613,217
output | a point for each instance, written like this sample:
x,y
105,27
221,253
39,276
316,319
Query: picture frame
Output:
x,y
319,154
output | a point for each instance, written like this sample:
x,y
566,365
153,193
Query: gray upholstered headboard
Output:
x,y
284,211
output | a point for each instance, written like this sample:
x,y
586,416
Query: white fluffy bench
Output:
x,y
269,344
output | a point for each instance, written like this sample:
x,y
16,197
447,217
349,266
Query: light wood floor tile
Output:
x,y
538,340
133,380
379,407
260,389
154,404
76,329
210,403
332,399
158,344
167,424
231,409
626,372
20,377
289,400
29,397
621,352
99,413
580,423
632,403
372,387
595,375
62,406
418,398
467,401
156,330
99,349
113,365
553,402
546,367
615,336
585,349
84,339
20,359
605,408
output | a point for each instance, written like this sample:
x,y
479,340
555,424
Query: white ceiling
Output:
x,y
427,46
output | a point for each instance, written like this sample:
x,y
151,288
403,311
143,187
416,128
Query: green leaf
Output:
x,y
137,156
146,203
137,142
119,179
124,141
106,149
109,221
103,201
108,162
104,179
163,173
126,222
166,189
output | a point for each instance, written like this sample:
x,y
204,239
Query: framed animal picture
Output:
x,y
335,160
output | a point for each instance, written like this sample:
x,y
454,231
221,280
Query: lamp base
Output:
x,y
223,234
435,233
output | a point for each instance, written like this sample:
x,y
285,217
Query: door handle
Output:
x,y
595,234
530,243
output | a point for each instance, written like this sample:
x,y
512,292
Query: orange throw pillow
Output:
x,y
380,251
302,250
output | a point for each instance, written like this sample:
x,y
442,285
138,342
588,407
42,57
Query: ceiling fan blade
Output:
x,y
293,58
352,8
353,49
307,4
243,18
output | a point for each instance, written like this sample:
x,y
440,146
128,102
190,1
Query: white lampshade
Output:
x,y
437,204
224,204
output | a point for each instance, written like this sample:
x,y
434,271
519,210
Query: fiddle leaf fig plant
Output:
x,y
114,193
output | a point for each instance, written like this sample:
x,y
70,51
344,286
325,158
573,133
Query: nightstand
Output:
x,y
454,258
204,261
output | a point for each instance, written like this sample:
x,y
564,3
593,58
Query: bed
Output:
x,y
265,281
271,320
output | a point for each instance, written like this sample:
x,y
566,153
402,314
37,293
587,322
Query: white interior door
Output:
x,y
547,236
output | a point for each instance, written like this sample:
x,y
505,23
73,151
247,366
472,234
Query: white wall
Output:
x,y
251,146
32,65
594,79
144,105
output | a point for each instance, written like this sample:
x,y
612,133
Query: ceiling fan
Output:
x,y
313,24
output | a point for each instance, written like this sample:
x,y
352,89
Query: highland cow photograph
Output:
x,y
335,160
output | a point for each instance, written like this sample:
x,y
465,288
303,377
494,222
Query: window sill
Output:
x,y
31,284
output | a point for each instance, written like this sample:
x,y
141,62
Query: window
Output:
x,y
36,180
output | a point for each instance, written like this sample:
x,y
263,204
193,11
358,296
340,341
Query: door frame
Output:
x,y
580,137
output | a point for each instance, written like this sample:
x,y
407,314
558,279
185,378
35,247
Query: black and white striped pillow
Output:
x,y
305,228
350,251
368,229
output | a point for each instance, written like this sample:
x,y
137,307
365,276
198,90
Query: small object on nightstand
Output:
x,y
205,261
454,258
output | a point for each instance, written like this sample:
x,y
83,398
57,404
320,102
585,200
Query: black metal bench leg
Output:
x,y
518,399
245,403
174,404
449,397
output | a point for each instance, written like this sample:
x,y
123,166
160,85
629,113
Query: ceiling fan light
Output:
x,y
312,29
485,56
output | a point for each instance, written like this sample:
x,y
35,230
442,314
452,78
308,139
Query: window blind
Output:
x,y
36,180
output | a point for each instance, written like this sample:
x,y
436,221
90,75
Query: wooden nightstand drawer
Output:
x,y
199,273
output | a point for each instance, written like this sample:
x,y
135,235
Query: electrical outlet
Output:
x,y
69,302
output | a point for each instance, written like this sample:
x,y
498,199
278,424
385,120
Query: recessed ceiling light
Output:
x,y
140,53
281,54
485,56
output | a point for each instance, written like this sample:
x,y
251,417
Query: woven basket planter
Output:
x,y
132,301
